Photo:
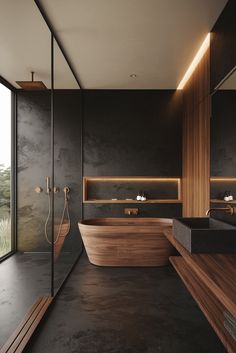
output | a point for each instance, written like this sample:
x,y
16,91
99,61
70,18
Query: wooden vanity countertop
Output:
x,y
217,271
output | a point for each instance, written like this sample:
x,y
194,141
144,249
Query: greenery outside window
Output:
x,y
6,213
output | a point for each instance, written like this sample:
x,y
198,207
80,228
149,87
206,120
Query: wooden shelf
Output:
x,y
211,279
210,306
217,271
133,201
223,201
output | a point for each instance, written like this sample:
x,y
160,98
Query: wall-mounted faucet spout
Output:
x,y
229,209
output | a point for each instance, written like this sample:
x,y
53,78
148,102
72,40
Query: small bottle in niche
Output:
x,y
230,196
138,198
227,196
143,197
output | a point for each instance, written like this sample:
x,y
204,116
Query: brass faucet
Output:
x,y
229,209
131,211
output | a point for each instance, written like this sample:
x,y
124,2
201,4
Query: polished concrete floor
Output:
x,y
124,310
20,287
23,278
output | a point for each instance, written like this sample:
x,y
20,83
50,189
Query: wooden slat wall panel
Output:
x,y
196,141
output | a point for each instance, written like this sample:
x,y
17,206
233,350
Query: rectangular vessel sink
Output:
x,y
205,235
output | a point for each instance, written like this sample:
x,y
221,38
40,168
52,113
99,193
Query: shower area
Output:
x,y
43,171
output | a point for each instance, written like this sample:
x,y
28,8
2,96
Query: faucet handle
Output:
x,y
232,210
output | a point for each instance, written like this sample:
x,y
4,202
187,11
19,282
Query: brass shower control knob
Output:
x,y
38,189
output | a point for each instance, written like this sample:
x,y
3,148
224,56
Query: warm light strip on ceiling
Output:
x,y
205,45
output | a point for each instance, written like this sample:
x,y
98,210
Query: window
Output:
x,y
6,214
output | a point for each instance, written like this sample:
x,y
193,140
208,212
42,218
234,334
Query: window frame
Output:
x,y
13,181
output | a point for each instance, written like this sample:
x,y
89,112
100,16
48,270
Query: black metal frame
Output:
x,y
13,170
7,84
50,26
14,148
52,165
82,152
231,72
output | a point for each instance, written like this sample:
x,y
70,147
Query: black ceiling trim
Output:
x,y
7,84
48,22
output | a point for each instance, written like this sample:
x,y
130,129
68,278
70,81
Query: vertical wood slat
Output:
x,y
196,141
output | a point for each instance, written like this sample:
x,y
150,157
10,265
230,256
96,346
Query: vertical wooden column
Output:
x,y
196,141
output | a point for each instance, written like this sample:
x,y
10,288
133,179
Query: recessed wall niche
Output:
x,y
125,189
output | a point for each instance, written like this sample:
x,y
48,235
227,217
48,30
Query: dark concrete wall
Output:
x,y
34,161
132,133
33,154
125,133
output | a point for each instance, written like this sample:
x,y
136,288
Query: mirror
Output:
x,y
223,144
223,114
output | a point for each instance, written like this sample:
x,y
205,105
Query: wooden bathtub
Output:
x,y
126,241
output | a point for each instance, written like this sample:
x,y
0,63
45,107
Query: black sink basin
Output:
x,y
205,235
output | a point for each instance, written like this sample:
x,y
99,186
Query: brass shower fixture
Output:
x,y
32,85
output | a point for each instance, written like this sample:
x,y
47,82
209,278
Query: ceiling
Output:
x,y
106,40
25,44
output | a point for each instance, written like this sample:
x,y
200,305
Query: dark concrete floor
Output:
x,y
124,310
20,287
23,278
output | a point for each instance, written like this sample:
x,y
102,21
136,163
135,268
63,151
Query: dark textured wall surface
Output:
x,y
34,161
145,210
125,133
223,48
33,143
67,162
132,133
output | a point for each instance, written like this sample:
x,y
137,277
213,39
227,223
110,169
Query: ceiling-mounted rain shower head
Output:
x,y
31,85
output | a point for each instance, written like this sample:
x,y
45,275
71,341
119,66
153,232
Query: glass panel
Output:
x,y
5,171
25,43
67,164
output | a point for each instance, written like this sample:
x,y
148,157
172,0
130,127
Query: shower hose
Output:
x,y
65,210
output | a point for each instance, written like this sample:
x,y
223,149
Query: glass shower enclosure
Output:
x,y
39,179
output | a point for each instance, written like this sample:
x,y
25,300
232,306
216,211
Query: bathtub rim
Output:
x,y
154,221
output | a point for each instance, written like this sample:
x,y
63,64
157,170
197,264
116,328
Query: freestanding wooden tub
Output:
x,y
126,241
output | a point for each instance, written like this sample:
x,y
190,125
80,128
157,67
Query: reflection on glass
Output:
x,y
5,170
67,144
